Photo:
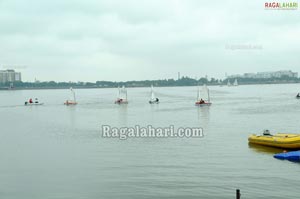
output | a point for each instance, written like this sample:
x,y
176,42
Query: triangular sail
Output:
x,y
119,92
73,94
198,94
228,83
123,93
152,95
205,93
235,83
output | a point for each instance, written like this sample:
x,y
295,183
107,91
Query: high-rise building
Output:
x,y
10,76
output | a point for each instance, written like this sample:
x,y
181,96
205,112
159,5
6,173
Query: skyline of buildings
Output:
x,y
266,75
11,76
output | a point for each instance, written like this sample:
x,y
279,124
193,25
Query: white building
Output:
x,y
10,76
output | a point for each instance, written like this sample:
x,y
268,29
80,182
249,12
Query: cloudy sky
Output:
x,y
119,40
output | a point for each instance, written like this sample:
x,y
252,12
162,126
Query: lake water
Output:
x,y
56,151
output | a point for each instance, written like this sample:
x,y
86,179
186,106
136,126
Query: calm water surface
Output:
x,y
54,151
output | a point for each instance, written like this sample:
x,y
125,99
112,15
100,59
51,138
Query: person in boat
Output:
x,y
30,101
267,133
119,100
202,101
298,95
156,100
36,101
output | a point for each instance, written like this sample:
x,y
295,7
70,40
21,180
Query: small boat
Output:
x,y
73,101
69,102
279,140
235,83
203,97
33,104
291,156
153,99
30,102
122,96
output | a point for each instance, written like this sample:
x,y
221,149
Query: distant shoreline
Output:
x,y
144,86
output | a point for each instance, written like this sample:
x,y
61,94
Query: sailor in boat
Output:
x,y
298,95
157,100
201,101
30,101
267,133
36,101
119,100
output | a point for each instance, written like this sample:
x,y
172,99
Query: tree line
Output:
x,y
184,81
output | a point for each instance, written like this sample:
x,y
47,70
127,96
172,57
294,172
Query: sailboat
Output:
x,y
72,101
228,83
122,96
235,82
153,99
203,97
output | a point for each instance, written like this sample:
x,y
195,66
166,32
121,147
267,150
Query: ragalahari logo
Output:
x,y
281,5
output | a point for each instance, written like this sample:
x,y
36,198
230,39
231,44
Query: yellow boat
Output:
x,y
280,140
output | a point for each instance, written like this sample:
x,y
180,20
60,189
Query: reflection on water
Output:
x,y
203,115
122,114
265,149
72,114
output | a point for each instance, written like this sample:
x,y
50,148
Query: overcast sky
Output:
x,y
119,40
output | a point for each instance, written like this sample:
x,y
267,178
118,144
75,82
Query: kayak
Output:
x,y
280,140
33,104
291,156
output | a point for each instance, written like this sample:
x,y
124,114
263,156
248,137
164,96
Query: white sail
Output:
x,y
73,94
228,83
152,95
198,94
119,92
235,83
205,93
123,93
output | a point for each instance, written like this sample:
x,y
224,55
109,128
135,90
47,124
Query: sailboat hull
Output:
x,y
202,104
70,103
153,102
34,104
118,101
